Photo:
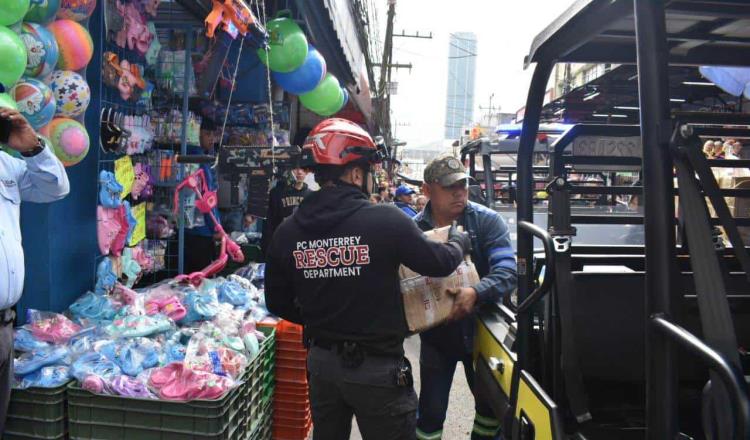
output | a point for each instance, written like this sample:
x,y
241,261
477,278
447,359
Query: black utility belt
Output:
x,y
349,346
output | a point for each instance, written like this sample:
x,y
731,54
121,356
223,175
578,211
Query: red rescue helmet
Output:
x,y
339,142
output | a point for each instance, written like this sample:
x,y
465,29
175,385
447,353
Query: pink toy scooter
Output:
x,y
206,201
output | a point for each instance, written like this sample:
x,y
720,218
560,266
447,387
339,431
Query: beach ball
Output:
x,y
12,11
12,57
42,11
71,92
287,46
326,99
41,50
76,10
306,77
35,101
74,43
69,140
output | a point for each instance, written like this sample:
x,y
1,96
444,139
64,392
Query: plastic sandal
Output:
x,y
47,377
232,293
94,307
96,364
105,277
24,341
129,387
107,228
138,326
34,360
110,191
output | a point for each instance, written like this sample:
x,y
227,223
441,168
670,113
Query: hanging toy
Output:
x,y
74,42
287,44
326,99
72,93
205,202
305,78
13,56
12,11
76,10
69,140
35,101
41,50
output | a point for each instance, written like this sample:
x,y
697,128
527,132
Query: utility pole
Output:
x,y
491,111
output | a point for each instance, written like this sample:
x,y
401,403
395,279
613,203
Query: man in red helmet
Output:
x,y
332,266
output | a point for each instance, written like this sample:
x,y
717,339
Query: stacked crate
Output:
x,y
292,419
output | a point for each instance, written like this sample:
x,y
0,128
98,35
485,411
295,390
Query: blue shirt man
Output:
x,y
37,177
446,185
405,199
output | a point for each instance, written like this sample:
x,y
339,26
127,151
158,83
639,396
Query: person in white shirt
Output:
x,y
38,176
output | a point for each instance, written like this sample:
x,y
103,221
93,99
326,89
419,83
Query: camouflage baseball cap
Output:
x,y
445,171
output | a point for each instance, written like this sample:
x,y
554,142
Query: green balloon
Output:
x,y
6,101
13,56
334,108
287,48
326,98
12,11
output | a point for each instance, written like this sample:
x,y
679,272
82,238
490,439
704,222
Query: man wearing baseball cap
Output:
x,y
446,186
405,199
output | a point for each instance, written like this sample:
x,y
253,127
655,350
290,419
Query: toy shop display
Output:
x,y
71,92
41,49
74,43
12,11
13,54
69,140
35,101
170,341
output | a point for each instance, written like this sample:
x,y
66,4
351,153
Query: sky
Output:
x,y
504,29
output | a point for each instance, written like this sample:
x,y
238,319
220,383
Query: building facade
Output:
x,y
462,60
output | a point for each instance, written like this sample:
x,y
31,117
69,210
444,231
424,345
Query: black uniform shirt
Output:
x,y
333,266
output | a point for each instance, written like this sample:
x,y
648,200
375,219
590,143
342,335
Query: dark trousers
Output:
x,y
384,410
200,251
436,375
6,369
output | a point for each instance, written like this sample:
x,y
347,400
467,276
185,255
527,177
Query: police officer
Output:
x,y
333,266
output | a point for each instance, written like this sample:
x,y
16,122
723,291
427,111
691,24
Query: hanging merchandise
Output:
x,y
76,10
12,11
42,11
287,44
306,77
126,77
7,101
35,101
13,56
74,42
71,92
327,98
134,33
346,96
69,139
41,49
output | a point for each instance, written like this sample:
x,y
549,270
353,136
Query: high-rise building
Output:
x,y
462,61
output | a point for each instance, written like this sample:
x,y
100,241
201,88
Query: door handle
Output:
x,y
497,365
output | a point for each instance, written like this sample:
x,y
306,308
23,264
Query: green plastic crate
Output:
x,y
262,366
113,417
36,413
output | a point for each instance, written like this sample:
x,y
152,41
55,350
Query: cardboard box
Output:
x,y
426,300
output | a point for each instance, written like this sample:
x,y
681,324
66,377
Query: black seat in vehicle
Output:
x,y
609,323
